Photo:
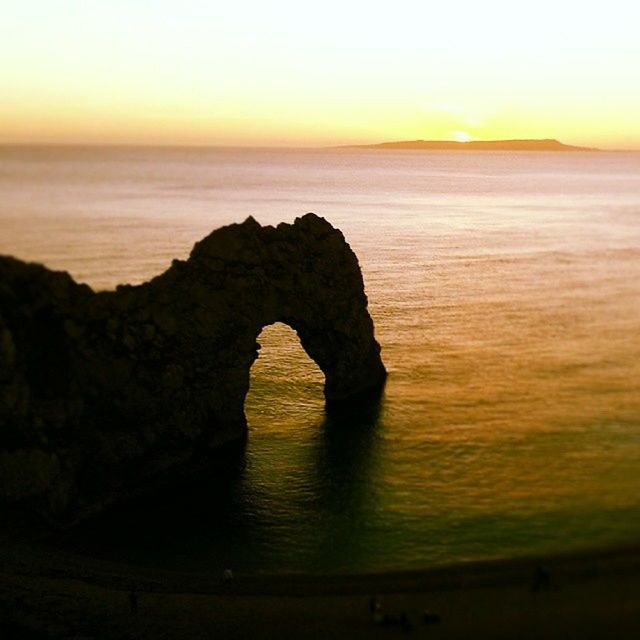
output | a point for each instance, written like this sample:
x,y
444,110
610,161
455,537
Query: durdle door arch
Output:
x,y
99,392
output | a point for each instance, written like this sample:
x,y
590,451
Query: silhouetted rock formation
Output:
x,y
99,392
544,144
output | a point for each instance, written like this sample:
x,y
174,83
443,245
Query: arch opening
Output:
x,y
286,387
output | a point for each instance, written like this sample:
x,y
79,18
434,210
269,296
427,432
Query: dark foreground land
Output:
x,y
582,596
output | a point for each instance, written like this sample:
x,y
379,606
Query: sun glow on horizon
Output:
x,y
461,136
280,74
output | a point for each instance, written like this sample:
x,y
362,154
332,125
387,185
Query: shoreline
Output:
x,y
575,594
54,563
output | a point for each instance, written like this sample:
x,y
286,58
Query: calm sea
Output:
x,y
505,290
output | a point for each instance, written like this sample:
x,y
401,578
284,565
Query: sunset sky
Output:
x,y
297,73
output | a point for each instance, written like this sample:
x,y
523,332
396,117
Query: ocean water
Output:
x,y
505,291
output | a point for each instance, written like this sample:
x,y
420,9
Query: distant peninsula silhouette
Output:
x,y
547,144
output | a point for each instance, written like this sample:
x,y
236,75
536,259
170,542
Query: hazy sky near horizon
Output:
x,y
295,73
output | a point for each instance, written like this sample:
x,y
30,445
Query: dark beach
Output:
x,y
580,595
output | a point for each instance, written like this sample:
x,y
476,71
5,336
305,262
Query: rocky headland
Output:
x,y
536,144
103,392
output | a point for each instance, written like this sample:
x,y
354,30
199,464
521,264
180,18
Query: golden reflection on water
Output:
x,y
510,421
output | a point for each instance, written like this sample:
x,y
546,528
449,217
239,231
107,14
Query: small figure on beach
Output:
x,y
227,576
388,619
541,579
405,623
133,601
375,610
429,617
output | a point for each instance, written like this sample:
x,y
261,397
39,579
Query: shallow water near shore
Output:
x,y
505,290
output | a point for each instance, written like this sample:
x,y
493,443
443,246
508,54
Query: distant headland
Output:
x,y
547,144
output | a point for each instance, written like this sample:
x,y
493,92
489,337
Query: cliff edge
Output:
x,y
99,392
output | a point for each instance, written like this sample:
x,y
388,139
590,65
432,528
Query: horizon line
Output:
x,y
351,145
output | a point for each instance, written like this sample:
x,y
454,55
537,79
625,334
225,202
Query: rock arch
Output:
x,y
99,392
